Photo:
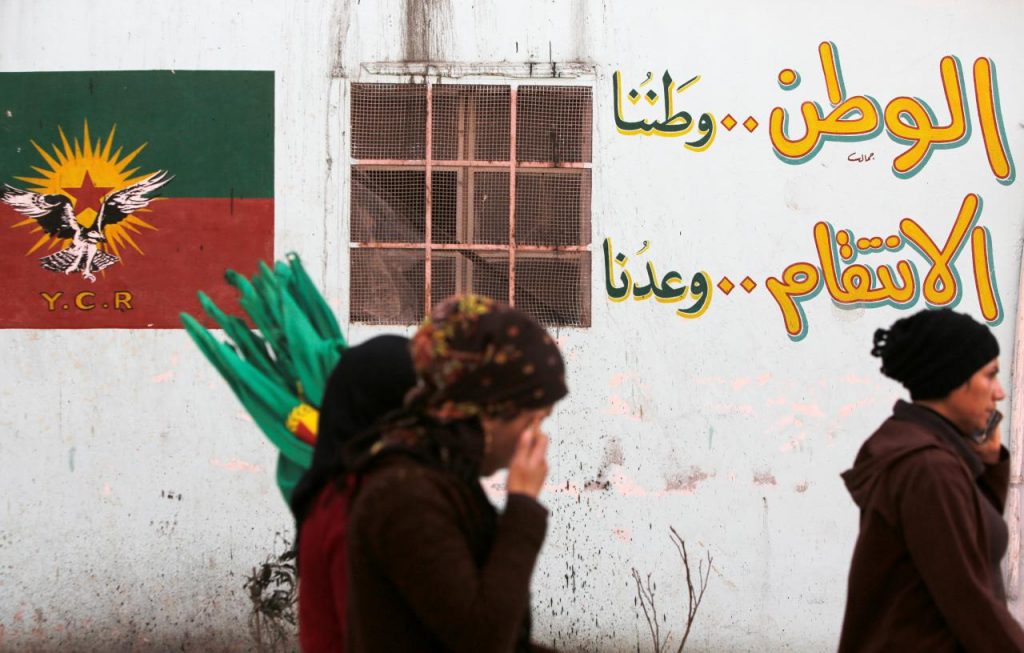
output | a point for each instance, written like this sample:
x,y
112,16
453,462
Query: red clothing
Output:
x,y
322,576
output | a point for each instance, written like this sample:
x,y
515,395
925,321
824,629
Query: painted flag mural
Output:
x,y
123,193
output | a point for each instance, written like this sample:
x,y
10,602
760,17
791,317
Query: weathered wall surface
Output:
x,y
136,494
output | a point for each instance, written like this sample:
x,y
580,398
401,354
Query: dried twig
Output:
x,y
695,594
693,598
646,595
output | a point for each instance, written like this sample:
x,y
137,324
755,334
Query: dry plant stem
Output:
x,y
694,598
695,594
646,595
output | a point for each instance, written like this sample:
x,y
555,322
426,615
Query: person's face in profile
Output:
x,y
502,436
971,404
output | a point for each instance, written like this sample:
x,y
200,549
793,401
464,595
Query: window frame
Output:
x,y
466,169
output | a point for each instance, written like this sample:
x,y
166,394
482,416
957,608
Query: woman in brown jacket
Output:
x,y
431,565
931,484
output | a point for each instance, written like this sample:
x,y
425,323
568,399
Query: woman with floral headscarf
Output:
x,y
431,565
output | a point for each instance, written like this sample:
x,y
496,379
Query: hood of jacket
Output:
x,y
911,428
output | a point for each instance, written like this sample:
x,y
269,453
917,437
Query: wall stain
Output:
x,y
764,478
686,482
428,26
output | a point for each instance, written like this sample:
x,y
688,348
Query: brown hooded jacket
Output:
x,y
925,571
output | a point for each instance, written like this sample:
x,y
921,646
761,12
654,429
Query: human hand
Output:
x,y
990,449
529,465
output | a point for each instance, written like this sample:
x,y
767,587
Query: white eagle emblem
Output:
x,y
56,216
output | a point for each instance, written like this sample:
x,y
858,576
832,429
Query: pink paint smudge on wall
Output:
x,y
236,465
849,409
617,407
568,488
732,409
708,380
740,383
787,420
163,377
626,486
619,379
622,535
810,410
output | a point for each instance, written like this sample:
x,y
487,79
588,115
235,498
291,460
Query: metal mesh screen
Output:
x,y
471,122
387,286
444,223
444,274
554,123
389,121
553,207
490,207
468,198
486,274
554,288
388,206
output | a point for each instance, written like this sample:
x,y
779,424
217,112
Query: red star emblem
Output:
x,y
88,195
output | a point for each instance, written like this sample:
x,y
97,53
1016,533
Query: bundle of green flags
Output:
x,y
279,370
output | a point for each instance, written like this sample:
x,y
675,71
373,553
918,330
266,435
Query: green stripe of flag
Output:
x,y
214,130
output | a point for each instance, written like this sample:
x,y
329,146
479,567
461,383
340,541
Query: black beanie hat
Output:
x,y
934,351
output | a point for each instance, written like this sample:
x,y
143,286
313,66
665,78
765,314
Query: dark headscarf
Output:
x,y
369,382
474,357
933,352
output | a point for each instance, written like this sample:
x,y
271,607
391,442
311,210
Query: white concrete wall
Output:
x,y
720,426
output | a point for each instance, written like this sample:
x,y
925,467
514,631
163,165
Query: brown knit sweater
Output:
x,y
432,567
925,572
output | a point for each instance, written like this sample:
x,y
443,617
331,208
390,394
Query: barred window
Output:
x,y
470,188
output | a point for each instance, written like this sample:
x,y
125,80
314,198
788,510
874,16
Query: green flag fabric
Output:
x,y
280,370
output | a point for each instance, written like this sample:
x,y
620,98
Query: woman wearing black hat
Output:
x,y
931,483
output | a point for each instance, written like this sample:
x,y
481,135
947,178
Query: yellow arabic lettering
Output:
x,y
830,68
856,283
941,284
991,125
910,121
851,119
799,281
984,275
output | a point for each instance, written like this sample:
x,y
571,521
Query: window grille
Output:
x,y
470,188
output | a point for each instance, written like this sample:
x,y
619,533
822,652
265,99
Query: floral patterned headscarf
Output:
x,y
478,358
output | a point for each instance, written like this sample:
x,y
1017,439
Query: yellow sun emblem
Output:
x,y
86,173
